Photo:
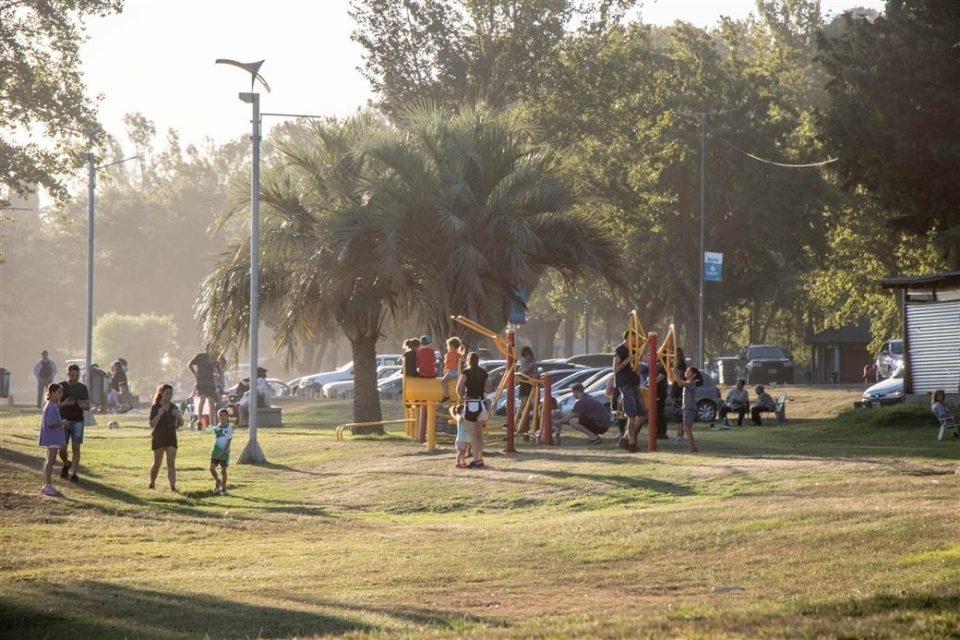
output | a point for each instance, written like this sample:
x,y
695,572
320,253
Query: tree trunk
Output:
x,y
366,396
569,332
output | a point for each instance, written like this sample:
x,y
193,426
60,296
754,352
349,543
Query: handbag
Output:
x,y
88,419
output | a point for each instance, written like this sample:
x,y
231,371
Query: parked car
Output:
x,y
707,397
765,363
562,380
592,359
278,389
889,358
889,391
391,387
597,389
542,367
344,388
344,372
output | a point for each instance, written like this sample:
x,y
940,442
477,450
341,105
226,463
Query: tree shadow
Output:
x,y
112,610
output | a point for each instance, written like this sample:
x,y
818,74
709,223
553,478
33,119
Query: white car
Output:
x,y
344,388
344,372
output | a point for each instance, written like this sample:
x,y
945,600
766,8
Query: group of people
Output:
x,y
738,402
62,423
118,398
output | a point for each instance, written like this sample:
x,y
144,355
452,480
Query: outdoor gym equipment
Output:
x,y
665,353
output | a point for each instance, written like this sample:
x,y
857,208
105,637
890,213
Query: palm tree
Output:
x,y
329,259
487,210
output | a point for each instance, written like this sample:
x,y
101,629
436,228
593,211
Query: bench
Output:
x,y
269,417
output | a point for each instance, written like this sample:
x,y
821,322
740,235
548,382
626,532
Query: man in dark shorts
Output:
x,y
627,380
589,416
203,367
75,399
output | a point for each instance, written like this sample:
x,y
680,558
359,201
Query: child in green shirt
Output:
x,y
220,454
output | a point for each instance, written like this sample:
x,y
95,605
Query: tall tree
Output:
x,y
892,119
491,210
332,256
41,90
452,51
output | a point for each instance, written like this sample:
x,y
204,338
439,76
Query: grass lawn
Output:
x,y
829,526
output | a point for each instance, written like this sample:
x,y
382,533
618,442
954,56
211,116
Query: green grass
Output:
x,y
840,527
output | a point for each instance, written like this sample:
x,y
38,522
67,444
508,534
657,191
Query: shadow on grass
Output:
x,y
73,495
94,609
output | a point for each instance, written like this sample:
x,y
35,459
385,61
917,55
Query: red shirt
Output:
x,y
426,362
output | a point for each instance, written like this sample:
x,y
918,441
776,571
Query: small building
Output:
x,y
838,355
930,314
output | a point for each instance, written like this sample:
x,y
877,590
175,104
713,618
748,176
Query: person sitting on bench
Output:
x,y
738,401
765,404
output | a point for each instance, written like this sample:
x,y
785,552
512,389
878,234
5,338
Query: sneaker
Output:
x,y
475,464
50,491
216,490
74,478
624,443
66,470
727,424
677,439
224,492
596,441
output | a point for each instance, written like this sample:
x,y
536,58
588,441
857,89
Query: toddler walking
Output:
x,y
220,454
463,436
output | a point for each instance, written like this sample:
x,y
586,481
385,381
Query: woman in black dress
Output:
x,y
164,420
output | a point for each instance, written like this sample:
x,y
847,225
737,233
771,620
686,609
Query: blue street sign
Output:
x,y
712,266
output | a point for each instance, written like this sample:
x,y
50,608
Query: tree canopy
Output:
x,y
892,119
42,91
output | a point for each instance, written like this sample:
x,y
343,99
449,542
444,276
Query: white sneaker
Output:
x,y
224,492
216,490
48,490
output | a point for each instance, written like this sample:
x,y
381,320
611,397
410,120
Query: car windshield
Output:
x,y
896,347
765,353
599,384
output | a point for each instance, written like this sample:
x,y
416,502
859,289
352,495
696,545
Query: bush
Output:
x,y
143,341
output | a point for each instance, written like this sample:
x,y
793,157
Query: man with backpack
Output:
x,y
45,370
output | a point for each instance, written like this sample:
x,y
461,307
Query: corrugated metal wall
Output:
x,y
933,337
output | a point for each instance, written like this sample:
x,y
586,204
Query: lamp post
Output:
x,y
92,167
252,453
702,117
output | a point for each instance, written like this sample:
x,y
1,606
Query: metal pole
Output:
x,y
91,194
703,179
252,453
653,422
510,391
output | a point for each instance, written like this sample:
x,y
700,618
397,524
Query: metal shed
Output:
x,y
930,314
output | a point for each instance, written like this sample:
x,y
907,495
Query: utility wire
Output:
x,y
773,162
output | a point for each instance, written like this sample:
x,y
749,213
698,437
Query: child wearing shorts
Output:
x,y
52,437
220,454
451,364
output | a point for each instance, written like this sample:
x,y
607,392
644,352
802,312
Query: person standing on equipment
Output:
x,y
627,379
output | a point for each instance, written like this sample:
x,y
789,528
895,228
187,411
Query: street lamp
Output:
x,y
702,116
91,158
252,453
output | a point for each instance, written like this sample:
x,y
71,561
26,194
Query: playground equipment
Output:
x,y
665,353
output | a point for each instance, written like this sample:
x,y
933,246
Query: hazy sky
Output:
x,y
157,58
